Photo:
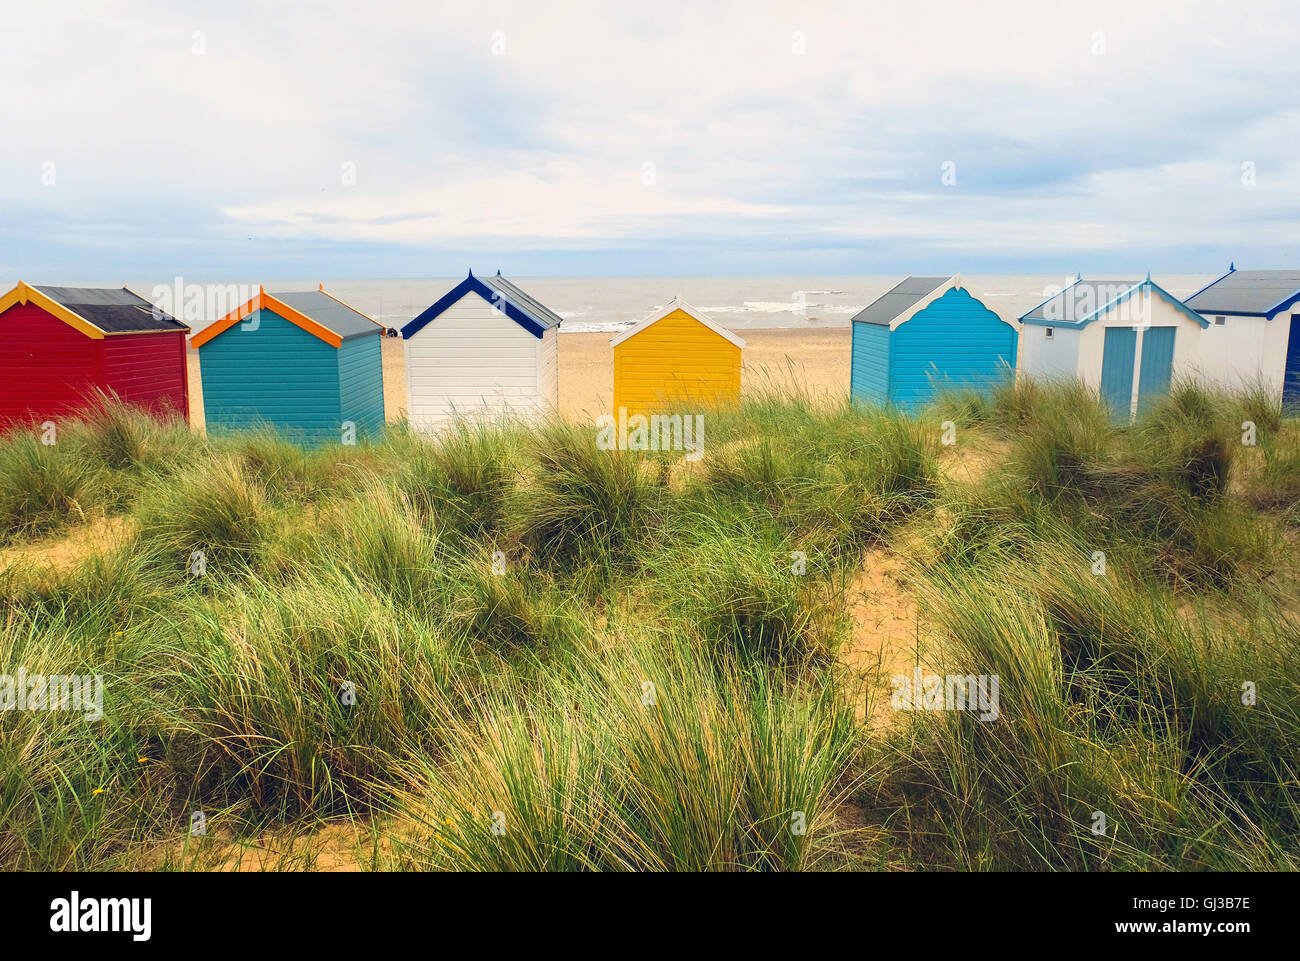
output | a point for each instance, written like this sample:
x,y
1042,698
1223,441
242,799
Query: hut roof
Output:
x,y
899,299
525,310
1261,292
910,297
1084,301
320,314
95,311
331,313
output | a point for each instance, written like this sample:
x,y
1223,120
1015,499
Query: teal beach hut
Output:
x,y
924,334
305,363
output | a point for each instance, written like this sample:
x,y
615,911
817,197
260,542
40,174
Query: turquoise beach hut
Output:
x,y
927,333
305,363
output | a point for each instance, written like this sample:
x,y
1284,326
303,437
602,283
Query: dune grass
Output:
x,y
1116,705
508,649
43,488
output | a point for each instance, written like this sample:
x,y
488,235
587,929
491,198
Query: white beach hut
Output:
x,y
486,348
1254,332
1126,339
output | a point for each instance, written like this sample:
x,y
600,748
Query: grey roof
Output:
x,y
329,313
1080,300
1247,292
539,312
901,298
114,310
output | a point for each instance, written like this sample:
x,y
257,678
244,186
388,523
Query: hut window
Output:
x,y
1220,321
1050,333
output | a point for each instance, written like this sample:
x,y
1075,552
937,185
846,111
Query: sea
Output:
x,y
612,304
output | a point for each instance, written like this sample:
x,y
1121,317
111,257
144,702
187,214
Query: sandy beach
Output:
x,y
815,360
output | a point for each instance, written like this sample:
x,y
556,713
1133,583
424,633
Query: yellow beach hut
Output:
x,y
677,356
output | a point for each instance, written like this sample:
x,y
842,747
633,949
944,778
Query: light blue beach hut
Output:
x,y
927,333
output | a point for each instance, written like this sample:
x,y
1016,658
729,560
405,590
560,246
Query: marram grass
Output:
x,y
508,649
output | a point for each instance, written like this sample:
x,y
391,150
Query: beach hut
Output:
x,y
1254,332
60,345
676,357
485,348
927,333
1126,339
304,362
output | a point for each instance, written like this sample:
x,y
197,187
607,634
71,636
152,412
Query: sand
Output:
x,y
815,360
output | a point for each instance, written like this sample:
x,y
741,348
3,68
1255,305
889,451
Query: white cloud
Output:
x,y
1081,128
560,200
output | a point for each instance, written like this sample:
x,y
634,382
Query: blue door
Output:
x,y
1117,356
1291,382
1157,363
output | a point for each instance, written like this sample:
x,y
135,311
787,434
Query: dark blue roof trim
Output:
x,y
1289,302
472,284
1266,314
1232,269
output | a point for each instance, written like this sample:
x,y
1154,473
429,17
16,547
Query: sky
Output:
x,y
410,139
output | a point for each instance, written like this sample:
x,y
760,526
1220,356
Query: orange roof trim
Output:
x,y
264,301
321,288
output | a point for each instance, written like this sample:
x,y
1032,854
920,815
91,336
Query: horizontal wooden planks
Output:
x,y
49,370
675,361
361,383
955,341
275,374
869,371
474,360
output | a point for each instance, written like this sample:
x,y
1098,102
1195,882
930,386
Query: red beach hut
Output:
x,y
58,345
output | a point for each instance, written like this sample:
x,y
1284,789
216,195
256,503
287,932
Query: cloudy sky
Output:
x,y
396,139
